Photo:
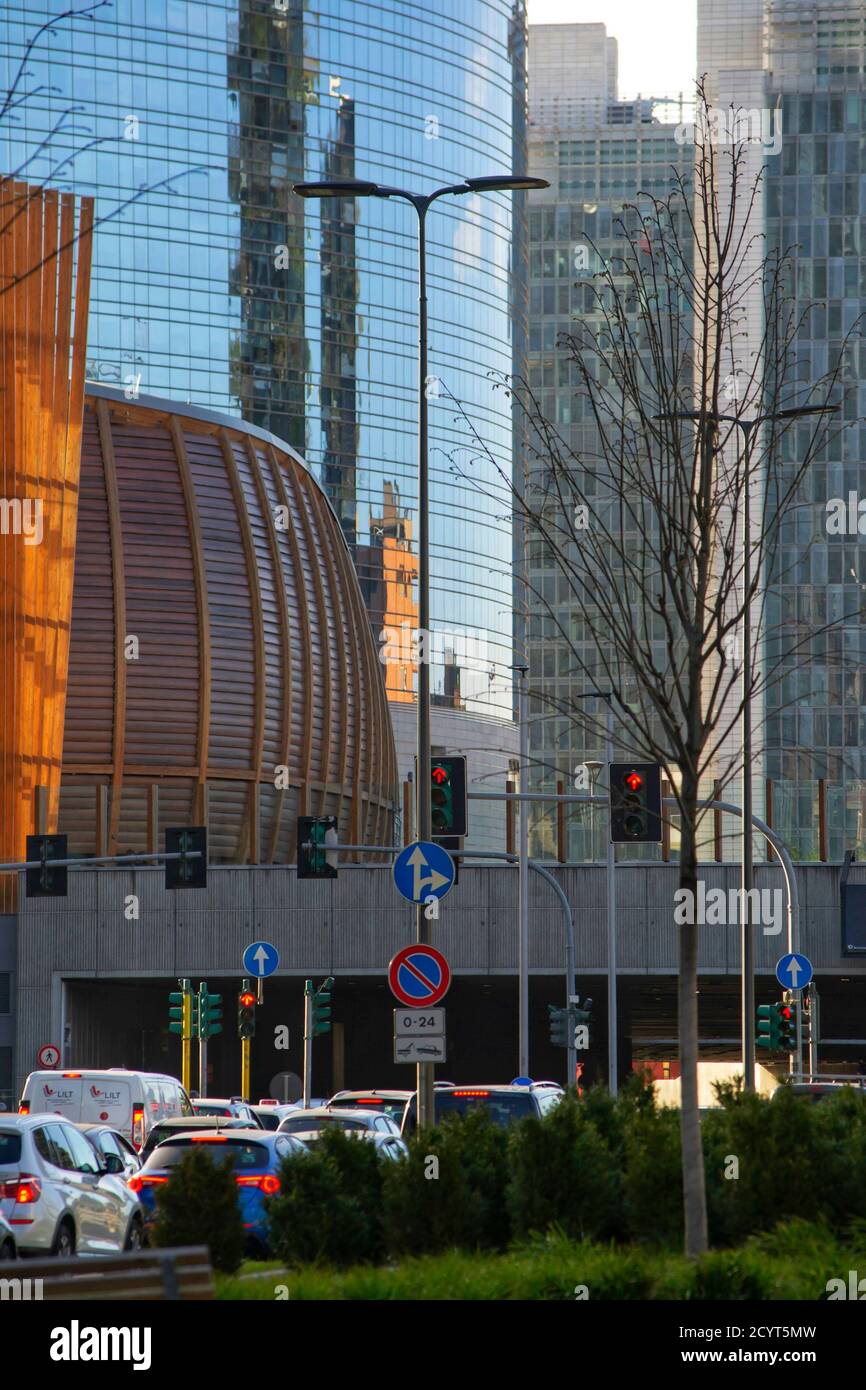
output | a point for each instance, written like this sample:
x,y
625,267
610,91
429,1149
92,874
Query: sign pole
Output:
x,y
308,1042
245,1068
202,1039
186,1037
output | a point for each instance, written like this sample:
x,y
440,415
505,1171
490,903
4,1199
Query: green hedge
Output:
x,y
199,1206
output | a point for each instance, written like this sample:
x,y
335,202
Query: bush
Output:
x,y
451,1189
199,1206
329,1206
562,1174
652,1181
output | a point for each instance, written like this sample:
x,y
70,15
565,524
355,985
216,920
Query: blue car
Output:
x,y
256,1155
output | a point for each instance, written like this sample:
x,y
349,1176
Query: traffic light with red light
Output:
x,y
788,1025
448,797
247,1001
635,791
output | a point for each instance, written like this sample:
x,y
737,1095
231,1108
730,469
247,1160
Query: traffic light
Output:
x,y
559,1025
209,1013
175,1012
582,1013
322,1007
315,834
186,873
788,1025
448,796
769,1027
45,882
635,791
247,1011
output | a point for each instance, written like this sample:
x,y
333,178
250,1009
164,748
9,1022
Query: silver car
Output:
x,y
309,1124
57,1194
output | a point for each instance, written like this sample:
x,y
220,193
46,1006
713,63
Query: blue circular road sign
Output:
x,y
260,959
423,869
794,971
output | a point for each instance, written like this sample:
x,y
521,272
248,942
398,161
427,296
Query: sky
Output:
x,y
656,42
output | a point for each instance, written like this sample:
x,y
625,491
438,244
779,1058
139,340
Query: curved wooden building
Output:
x,y
222,667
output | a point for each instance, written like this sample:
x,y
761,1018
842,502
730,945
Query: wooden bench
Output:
x,y
184,1273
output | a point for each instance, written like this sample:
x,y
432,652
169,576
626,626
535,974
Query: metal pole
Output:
x,y
422,790
308,1042
523,886
202,1042
245,1068
186,1036
814,1029
747,981
611,930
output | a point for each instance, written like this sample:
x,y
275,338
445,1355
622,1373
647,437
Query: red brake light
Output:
x,y
208,1139
363,1102
24,1108
71,1073
266,1183
469,1093
135,1184
137,1126
22,1190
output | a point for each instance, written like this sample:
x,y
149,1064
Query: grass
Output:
x,y
793,1262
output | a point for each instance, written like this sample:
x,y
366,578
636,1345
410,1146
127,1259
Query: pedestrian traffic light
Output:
x,y
247,1011
209,1013
322,1007
769,1027
559,1026
45,882
186,872
635,791
448,796
315,835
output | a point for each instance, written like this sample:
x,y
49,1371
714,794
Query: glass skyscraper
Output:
x,y
214,284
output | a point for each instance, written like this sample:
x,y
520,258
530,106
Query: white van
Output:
x,y
130,1101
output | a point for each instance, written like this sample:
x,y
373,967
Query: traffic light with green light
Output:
x,y
316,835
321,1007
635,791
209,1013
769,1027
247,1000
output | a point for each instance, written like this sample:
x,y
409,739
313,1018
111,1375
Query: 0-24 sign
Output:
x,y
418,1022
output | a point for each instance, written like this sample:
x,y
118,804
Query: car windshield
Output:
x,y
504,1107
10,1147
304,1124
392,1108
242,1152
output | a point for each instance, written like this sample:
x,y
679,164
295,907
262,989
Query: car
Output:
x,y
269,1116
817,1090
217,1106
57,1194
391,1103
308,1123
8,1247
506,1104
166,1128
129,1101
111,1147
256,1156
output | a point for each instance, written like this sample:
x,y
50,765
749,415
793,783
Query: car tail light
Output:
x,y
267,1183
364,1104
22,1190
137,1126
24,1108
470,1093
71,1073
137,1182
208,1139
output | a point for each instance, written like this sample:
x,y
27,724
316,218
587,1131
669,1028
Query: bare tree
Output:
x,y
645,526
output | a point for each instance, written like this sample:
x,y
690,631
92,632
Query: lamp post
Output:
x,y
421,202
747,963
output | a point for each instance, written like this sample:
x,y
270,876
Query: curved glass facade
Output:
x,y
214,284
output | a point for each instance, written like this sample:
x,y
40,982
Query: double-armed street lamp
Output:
x,y
421,202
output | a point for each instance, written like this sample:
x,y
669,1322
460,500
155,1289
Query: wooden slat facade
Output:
x,y
45,254
254,650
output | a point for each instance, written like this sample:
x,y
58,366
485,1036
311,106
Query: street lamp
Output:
x,y
421,202
747,966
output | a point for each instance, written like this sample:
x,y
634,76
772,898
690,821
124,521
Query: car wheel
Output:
x,y
64,1241
7,1250
135,1234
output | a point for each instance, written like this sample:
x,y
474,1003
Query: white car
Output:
x,y
56,1193
309,1124
8,1249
